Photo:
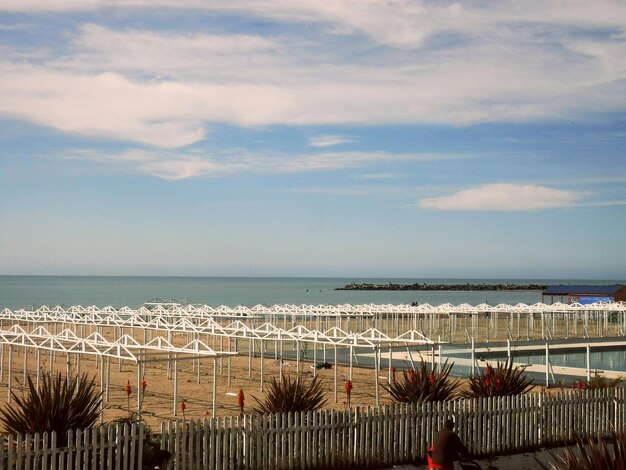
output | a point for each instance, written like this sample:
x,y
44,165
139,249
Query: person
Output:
x,y
162,460
447,448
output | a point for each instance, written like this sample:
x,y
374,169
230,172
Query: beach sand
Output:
x,y
157,404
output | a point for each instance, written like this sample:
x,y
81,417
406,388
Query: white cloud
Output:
x,y
504,197
165,89
328,140
380,176
397,22
179,164
164,114
176,55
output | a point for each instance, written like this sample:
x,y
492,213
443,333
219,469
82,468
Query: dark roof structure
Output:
x,y
583,290
585,294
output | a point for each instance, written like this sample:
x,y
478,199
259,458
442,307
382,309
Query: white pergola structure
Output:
x,y
341,326
95,343
124,348
482,322
196,326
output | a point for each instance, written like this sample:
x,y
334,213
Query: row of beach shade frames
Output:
x,y
129,349
335,310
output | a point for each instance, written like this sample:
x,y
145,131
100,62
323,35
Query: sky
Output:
x,y
398,138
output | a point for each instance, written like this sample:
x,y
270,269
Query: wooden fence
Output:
x,y
391,434
360,438
105,447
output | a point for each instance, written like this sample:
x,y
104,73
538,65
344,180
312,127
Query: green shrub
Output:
x,y
591,454
597,381
503,380
288,394
59,404
422,384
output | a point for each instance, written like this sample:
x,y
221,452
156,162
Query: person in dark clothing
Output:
x,y
161,460
447,448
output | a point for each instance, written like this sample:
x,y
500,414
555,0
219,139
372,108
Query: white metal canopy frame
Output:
x,y
192,318
179,323
365,310
259,324
124,348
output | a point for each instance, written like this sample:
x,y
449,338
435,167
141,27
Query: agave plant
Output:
x,y
503,380
59,404
423,384
597,381
591,454
298,394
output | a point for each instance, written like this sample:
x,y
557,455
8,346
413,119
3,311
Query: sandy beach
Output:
x,y
157,402
233,374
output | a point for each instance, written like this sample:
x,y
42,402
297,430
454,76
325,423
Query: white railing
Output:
x,y
391,434
106,447
356,438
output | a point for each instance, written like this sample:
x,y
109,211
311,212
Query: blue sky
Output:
x,y
310,138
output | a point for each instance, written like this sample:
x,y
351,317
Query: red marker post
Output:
x,y
348,390
144,384
240,400
128,389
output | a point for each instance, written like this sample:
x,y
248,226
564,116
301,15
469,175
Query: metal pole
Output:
x,y
336,400
390,352
588,363
262,348
175,383
10,370
432,356
138,385
108,378
473,357
101,389
38,366
440,351
376,364
408,350
214,387
297,357
228,362
315,355
250,350
547,365
351,353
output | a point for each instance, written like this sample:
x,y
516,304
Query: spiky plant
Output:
x,y
598,381
423,384
591,454
59,404
503,380
298,394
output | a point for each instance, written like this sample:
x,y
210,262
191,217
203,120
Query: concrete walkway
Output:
x,y
524,461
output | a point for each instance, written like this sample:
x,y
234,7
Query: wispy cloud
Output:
x,y
180,164
165,114
441,63
379,176
504,197
328,140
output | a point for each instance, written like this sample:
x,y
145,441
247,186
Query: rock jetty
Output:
x,y
444,287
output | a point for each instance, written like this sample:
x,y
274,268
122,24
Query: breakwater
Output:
x,y
444,287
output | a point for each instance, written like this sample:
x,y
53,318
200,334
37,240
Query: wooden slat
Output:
x,y
362,437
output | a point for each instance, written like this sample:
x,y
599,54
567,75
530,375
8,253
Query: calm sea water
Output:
x,y
24,291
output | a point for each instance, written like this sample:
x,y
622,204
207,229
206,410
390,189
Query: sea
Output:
x,y
133,291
